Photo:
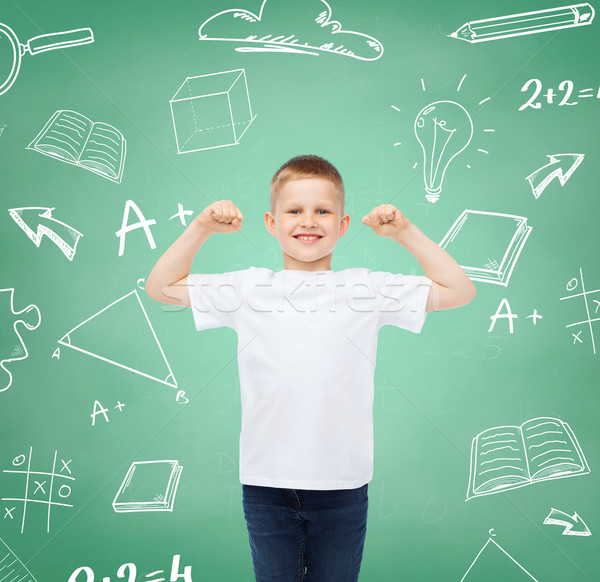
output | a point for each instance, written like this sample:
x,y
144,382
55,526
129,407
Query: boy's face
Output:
x,y
310,206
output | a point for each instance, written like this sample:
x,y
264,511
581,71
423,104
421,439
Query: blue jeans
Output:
x,y
299,535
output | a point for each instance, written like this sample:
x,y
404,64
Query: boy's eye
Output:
x,y
325,211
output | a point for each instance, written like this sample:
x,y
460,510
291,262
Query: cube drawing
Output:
x,y
211,111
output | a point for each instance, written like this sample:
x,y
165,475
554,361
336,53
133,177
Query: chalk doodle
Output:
x,y
12,346
122,321
99,409
565,88
181,213
181,398
10,565
34,46
274,30
148,486
211,111
50,488
508,457
443,129
142,223
462,342
505,312
86,574
573,524
591,309
525,23
37,222
508,314
487,244
73,138
561,166
534,317
494,562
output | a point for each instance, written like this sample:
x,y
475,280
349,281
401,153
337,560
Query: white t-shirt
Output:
x,y
307,344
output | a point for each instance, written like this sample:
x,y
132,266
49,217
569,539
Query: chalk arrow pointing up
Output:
x,y
46,225
561,166
573,524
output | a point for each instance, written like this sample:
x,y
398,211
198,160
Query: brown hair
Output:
x,y
308,166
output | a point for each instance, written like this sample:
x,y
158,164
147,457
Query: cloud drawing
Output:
x,y
290,26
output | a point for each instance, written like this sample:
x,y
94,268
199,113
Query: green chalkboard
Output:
x,y
98,381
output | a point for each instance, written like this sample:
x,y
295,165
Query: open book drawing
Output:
x,y
75,139
487,244
507,457
148,486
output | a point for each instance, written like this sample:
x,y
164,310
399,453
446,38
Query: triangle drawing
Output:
x,y
121,334
494,564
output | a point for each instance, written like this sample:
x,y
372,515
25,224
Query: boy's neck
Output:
x,y
292,264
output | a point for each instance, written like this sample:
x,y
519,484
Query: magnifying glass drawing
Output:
x,y
11,50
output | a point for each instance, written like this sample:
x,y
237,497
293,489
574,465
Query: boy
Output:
x,y
306,358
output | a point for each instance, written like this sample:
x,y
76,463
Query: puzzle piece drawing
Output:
x,y
13,348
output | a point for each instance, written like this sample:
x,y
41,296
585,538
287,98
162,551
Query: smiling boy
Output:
x,y
307,344
308,220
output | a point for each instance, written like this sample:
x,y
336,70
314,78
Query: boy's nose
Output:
x,y
309,219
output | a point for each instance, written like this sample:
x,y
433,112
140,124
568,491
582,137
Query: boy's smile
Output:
x,y
308,222
308,239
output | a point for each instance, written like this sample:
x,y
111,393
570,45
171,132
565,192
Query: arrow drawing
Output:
x,y
555,169
40,216
556,517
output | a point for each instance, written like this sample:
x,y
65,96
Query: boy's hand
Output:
x,y
222,217
386,220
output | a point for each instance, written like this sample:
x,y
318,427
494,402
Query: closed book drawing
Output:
x,y
487,244
149,486
11,568
73,138
507,457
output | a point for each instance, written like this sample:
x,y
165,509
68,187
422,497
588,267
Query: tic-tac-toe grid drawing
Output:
x,y
40,489
588,305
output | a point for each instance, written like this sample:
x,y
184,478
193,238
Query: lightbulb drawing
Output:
x,y
444,129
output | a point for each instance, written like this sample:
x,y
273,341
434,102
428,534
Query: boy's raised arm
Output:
x,y
450,285
167,281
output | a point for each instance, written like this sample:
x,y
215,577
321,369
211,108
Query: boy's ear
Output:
x,y
270,224
344,224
